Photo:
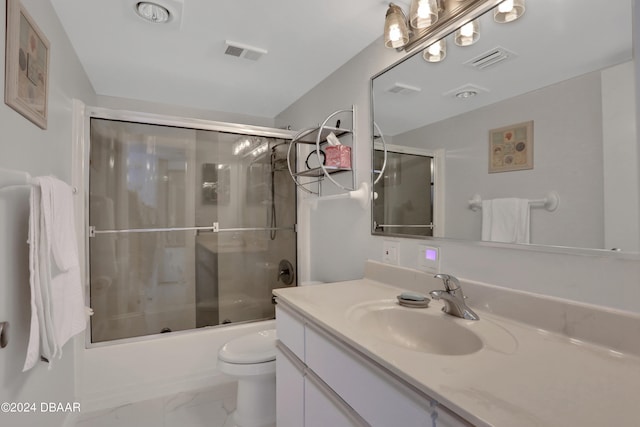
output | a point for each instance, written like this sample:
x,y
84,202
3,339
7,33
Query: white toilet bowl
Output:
x,y
251,359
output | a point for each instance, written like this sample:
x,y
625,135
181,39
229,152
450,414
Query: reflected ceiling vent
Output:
x,y
403,88
245,51
490,58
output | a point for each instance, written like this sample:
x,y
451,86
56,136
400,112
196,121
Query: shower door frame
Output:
x,y
80,157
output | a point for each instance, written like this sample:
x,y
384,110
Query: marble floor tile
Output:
x,y
200,408
140,414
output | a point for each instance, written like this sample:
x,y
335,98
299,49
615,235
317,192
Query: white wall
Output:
x,y
117,103
24,146
339,240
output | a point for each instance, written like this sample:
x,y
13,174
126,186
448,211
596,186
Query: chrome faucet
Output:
x,y
453,298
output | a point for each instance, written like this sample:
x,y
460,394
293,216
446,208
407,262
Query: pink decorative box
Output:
x,y
338,156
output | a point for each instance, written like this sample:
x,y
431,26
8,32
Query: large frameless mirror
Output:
x,y
540,109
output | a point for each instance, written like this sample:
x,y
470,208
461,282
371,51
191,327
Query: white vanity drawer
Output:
x,y
289,388
290,329
323,407
373,393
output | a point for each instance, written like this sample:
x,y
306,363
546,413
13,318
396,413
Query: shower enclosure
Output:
x,y
188,226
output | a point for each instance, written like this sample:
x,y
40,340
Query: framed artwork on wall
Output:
x,y
26,83
511,148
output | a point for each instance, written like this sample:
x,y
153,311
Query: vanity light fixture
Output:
x,y
423,13
153,12
508,11
436,51
396,33
468,34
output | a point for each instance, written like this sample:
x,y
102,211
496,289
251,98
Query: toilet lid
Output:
x,y
257,347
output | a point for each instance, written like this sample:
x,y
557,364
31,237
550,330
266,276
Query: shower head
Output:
x,y
279,158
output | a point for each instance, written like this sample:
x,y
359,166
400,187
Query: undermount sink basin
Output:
x,y
424,330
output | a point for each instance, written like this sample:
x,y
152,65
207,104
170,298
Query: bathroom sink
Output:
x,y
418,329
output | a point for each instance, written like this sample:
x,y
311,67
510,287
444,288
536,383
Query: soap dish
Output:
x,y
413,300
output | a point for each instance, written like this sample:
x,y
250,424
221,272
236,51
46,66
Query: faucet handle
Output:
x,y
448,280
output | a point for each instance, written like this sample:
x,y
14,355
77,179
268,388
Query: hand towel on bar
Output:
x,y
57,303
505,220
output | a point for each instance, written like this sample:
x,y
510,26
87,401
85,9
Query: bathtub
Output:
x,y
144,368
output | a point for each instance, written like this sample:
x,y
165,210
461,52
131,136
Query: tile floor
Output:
x,y
201,408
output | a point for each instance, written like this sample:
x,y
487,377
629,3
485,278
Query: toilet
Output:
x,y
251,359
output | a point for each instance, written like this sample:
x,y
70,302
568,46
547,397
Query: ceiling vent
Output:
x,y
402,88
490,58
245,51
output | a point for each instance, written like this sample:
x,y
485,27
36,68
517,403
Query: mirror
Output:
x,y
563,69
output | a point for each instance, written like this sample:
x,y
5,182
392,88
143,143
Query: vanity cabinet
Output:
x,y
322,381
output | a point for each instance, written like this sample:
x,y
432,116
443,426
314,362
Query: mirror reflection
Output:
x,y
404,203
539,108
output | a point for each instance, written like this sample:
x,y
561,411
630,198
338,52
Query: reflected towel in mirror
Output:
x,y
505,220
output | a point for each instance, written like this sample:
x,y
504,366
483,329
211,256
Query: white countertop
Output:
x,y
522,376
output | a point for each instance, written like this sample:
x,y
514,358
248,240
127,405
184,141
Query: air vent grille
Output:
x,y
490,58
403,88
241,50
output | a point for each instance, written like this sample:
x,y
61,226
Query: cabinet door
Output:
x,y
376,396
289,389
290,328
324,408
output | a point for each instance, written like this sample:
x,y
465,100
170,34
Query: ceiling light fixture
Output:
x,y
153,12
435,52
465,94
396,33
423,13
468,34
508,11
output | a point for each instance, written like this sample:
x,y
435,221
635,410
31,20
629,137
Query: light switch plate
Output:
x,y
429,258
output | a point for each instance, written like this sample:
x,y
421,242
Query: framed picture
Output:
x,y
511,148
26,65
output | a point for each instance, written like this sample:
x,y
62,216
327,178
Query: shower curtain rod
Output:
x,y
214,228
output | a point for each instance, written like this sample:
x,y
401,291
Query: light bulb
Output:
x,y
468,34
423,13
505,6
435,52
467,30
509,11
424,10
394,33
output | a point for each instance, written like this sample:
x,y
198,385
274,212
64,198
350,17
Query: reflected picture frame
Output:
x,y
26,65
511,148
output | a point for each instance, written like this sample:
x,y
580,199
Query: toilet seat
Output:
x,y
256,348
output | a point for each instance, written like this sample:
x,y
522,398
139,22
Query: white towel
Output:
x,y
57,303
505,220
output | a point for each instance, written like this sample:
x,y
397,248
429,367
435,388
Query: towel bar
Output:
x,y
550,202
13,178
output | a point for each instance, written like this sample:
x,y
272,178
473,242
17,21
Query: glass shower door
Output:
x,y
247,192
181,225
